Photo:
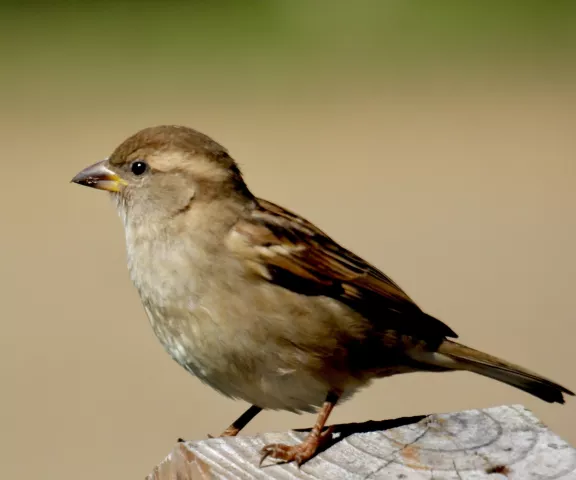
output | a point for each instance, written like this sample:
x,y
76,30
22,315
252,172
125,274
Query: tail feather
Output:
x,y
455,356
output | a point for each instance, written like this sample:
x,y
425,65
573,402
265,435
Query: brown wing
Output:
x,y
290,251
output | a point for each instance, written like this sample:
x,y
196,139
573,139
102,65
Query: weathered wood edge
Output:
x,y
489,444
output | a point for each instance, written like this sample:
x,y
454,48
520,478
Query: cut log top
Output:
x,y
506,442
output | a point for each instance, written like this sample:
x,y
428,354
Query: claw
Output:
x,y
265,454
300,453
309,447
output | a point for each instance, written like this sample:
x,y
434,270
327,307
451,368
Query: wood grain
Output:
x,y
491,444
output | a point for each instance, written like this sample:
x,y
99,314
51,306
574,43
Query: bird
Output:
x,y
258,302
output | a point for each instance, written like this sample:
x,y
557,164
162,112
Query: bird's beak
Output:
x,y
101,177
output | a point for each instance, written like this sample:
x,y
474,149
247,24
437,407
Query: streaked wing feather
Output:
x,y
292,252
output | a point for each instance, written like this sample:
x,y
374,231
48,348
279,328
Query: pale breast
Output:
x,y
246,339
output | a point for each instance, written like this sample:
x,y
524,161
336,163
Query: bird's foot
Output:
x,y
296,453
229,432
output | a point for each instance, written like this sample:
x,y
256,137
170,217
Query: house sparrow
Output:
x,y
259,303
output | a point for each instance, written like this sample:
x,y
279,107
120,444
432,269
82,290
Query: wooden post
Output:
x,y
506,442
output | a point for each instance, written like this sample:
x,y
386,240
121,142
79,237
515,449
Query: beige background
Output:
x,y
459,184
466,199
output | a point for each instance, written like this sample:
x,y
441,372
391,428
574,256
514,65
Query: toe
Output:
x,y
304,453
277,451
288,453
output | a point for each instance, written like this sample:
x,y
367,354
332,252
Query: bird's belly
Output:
x,y
239,363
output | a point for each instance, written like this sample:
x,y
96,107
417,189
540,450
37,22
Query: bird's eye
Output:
x,y
138,167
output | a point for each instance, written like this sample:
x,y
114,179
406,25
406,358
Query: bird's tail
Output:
x,y
455,356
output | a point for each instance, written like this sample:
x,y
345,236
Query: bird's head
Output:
x,y
162,172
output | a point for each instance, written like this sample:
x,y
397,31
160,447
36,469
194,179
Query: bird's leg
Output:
x,y
240,422
304,451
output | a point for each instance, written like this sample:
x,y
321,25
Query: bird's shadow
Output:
x,y
343,430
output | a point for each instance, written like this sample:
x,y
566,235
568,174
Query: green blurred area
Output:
x,y
265,44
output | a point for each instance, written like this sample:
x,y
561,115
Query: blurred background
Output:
x,y
435,139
